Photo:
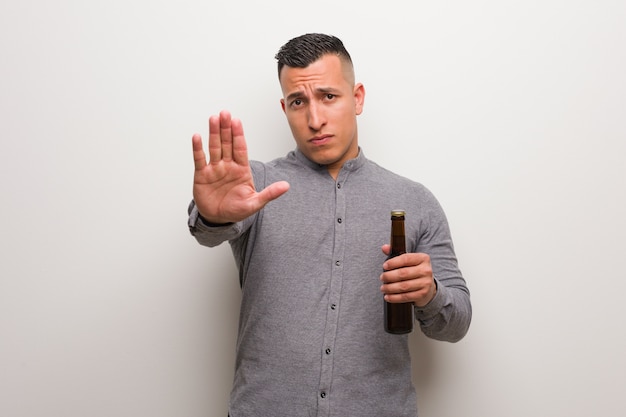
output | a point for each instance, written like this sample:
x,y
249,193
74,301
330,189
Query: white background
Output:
x,y
512,112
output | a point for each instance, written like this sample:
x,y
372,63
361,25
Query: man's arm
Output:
x,y
430,278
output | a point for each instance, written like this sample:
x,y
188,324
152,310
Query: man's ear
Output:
x,y
282,104
359,97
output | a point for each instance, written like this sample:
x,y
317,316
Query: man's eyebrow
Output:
x,y
327,90
320,90
295,95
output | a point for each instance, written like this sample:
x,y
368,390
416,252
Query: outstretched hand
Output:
x,y
223,187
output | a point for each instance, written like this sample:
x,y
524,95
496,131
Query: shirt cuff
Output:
x,y
426,314
197,223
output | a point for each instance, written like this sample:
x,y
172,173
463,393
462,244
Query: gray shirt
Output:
x,y
311,340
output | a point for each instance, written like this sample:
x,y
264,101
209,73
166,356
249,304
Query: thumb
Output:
x,y
272,192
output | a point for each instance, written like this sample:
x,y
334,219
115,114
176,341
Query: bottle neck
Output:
x,y
398,239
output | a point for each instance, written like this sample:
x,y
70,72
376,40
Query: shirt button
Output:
x,y
339,220
338,263
333,306
338,185
328,351
323,394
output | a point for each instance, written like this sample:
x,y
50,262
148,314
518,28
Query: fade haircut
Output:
x,y
302,51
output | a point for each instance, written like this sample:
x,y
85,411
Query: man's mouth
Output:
x,y
320,140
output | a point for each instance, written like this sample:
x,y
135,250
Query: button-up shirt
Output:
x,y
311,340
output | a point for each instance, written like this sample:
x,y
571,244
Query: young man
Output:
x,y
306,232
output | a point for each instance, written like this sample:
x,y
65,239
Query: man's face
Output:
x,y
321,104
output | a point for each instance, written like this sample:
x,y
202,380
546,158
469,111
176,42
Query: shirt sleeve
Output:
x,y
448,315
207,235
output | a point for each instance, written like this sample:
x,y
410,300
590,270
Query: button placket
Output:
x,y
334,296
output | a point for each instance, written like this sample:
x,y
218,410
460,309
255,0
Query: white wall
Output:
x,y
512,112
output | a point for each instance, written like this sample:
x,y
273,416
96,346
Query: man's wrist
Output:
x,y
212,224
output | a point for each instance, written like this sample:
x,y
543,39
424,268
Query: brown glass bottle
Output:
x,y
398,316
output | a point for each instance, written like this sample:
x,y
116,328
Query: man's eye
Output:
x,y
330,96
296,102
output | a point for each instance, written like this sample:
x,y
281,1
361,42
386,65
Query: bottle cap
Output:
x,y
397,213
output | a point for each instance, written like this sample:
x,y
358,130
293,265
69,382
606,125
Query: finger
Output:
x,y
271,192
226,136
400,274
410,286
402,286
199,158
386,248
407,297
420,296
239,148
215,142
404,260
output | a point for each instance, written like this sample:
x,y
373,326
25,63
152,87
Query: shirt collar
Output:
x,y
349,165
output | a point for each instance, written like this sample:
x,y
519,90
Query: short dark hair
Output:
x,y
303,50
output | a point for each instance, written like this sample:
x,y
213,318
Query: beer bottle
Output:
x,y
398,316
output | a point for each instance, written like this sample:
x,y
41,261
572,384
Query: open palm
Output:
x,y
223,188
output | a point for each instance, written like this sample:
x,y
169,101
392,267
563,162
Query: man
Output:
x,y
306,232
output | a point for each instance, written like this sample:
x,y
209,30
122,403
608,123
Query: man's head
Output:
x,y
320,98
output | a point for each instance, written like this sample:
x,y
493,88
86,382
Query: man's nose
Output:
x,y
316,117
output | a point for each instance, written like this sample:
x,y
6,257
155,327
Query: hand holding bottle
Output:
x,y
408,278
